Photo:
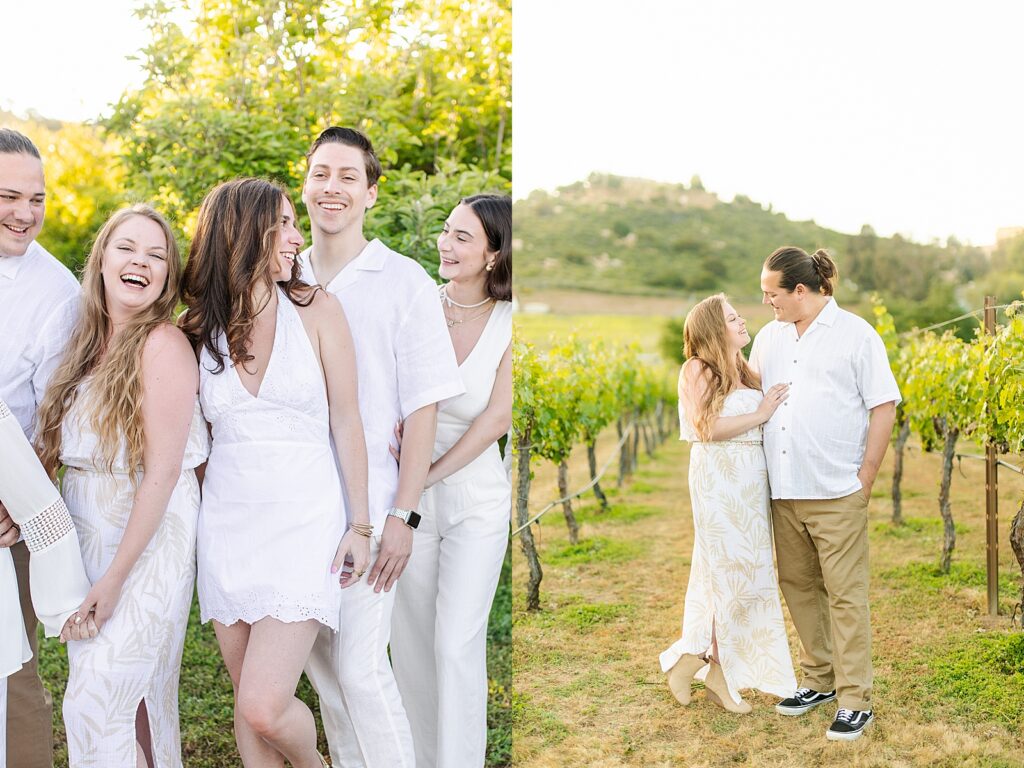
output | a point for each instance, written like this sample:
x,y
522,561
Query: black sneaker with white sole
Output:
x,y
849,724
803,700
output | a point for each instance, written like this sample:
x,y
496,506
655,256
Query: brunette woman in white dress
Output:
x,y
277,382
733,634
439,627
121,415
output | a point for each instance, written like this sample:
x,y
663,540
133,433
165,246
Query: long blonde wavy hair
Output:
x,y
115,398
704,338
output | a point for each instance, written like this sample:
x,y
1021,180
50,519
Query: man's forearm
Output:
x,y
417,450
879,432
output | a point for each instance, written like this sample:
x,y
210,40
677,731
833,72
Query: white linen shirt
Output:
x,y
404,355
38,309
837,372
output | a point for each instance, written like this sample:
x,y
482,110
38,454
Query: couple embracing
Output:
x,y
803,426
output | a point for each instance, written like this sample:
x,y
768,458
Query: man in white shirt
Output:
x,y
824,446
38,306
406,365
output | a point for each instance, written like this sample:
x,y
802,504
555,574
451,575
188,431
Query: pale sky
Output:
x,y
66,59
904,115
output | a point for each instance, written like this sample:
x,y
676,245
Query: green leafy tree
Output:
x,y
527,387
557,427
241,87
597,407
942,389
898,362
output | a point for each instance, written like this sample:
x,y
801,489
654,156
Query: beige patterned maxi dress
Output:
x,y
733,585
137,654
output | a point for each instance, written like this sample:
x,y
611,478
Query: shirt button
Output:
x,y
794,361
783,429
783,453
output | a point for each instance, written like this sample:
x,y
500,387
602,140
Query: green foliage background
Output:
x,y
241,87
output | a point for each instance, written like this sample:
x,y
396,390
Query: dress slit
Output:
x,y
144,732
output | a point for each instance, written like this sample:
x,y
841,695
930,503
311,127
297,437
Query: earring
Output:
x,y
490,266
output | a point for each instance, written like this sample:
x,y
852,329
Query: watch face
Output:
x,y
414,519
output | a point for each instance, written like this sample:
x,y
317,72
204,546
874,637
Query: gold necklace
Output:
x,y
452,322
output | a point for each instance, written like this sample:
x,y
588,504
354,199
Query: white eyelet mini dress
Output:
x,y
272,512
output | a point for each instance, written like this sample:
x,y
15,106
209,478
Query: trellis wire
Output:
x,y
625,434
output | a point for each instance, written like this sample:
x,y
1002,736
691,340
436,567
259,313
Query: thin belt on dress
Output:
x,y
728,442
116,472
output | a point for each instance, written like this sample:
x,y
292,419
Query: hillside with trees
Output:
x,y
622,235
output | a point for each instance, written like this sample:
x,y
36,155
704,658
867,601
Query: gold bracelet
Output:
x,y
363,529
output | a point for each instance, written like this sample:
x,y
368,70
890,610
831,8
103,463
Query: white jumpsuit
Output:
x,y
439,627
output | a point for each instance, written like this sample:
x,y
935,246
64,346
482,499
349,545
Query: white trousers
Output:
x,y
439,630
362,711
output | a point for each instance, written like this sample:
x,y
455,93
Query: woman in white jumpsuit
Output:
x,y
439,627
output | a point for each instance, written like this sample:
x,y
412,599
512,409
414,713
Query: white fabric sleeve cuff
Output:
x,y
58,580
59,583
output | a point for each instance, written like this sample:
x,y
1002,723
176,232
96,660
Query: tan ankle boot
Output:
x,y
681,675
718,691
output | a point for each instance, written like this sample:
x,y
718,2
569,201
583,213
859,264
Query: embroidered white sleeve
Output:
x,y
48,527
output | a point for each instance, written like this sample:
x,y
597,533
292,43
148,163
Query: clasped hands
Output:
x,y
79,626
92,614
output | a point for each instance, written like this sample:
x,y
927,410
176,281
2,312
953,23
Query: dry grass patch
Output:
x,y
949,680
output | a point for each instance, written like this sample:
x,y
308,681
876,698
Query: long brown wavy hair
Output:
x,y
233,252
115,396
704,338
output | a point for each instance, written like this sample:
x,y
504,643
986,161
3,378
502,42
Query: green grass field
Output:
x,y
548,330
206,701
620,319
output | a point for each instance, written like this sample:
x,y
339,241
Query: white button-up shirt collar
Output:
x,y
837,371
372,258
404,354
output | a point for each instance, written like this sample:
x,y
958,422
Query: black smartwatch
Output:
x,y
408,516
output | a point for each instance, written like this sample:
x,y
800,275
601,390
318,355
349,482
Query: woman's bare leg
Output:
x,y
713,652
143,738
255,752
274,657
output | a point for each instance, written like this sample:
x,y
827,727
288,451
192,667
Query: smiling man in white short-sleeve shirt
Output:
x,y
406,365
824,446
38,306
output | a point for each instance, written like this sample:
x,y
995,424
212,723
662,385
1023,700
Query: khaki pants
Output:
x,y
822,551
29,708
